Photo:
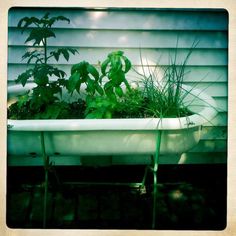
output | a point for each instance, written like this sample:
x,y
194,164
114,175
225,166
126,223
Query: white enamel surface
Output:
x,y
126,142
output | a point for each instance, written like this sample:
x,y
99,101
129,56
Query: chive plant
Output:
x,y
164,94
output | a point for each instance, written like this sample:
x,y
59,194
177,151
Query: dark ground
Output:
x,y
189,197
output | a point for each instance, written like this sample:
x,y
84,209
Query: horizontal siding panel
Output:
x,y
198,74
193,73
199,57
206,74
210,146
221,119
130,19
214,133
127,39
222,103
215,89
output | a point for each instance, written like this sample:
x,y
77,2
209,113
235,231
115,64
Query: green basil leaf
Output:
x,y
119,91
127,64
99,89
93,71
72,82
104,66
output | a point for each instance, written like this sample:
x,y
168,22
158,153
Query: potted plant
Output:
x,y
97,111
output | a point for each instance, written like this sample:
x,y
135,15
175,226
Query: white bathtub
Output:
x,y
99,137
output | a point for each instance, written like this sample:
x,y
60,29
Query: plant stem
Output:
x,y
45,50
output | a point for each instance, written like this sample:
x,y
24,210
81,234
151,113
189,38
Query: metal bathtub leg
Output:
x,y
46,169
155,170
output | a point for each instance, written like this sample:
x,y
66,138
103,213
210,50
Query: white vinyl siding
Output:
x,y
154,34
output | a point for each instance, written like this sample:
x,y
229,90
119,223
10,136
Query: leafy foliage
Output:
x,y
84,73
101,97
114,68
44,99
104,92
132,105
99,107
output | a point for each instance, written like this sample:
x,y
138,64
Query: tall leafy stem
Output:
x,y
45,94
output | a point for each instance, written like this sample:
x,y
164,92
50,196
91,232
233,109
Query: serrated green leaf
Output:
x,y
65,54
56,55
46,15
27,22
47,33
41,73
62,18
42,81
51,21
28,54
33,55
58,73
62,82
22,78
38,34
73,50
19,25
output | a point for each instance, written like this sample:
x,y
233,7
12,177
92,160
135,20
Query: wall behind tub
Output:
x,y
154,33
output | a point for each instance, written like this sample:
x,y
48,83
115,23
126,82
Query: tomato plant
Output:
x,y
44,99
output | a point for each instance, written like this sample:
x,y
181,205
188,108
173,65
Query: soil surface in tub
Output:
x,y
189,197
